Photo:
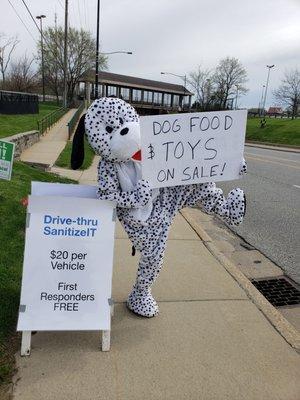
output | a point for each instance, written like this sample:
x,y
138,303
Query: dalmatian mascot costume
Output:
x,y
112,129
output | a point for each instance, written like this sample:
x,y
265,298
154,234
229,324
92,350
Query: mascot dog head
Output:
x,y
112,129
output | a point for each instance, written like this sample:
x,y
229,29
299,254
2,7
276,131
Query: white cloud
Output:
x,y
176,35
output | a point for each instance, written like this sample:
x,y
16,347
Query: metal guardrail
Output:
x,y
73,121
45,123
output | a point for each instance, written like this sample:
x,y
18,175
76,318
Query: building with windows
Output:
x,y
147,96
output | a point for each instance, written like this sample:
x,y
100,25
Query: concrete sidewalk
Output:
x,y
85,177
209,342
47,150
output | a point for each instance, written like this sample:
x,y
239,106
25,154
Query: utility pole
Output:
x,y
97,52
65,96
184,89
236,96
40,17
260,105
266,90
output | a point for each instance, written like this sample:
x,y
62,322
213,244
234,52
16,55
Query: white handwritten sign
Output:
x,y
181,149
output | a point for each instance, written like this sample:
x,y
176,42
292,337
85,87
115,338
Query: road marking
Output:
x,y
273,158
272,162
297,186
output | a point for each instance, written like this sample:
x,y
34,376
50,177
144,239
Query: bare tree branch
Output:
x,y
201,83
81,57
7,46
288,92
230,76
22,77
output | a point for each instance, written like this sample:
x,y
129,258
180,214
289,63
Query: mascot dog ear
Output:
x,y
77,155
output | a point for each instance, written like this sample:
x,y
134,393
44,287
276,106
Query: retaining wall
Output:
x,y
23,141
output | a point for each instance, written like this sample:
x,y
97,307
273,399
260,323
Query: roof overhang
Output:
x,y
126,81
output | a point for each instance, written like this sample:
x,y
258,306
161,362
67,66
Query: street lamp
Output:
x,y
40,17
261,101
97,67
266,90
178,76
117,52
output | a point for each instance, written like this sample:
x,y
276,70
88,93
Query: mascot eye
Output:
x,y
109,129
121,121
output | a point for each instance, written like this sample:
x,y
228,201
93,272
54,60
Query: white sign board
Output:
x,y
68,259
181,149
6,159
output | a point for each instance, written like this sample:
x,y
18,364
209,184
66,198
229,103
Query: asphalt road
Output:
x,y
272,223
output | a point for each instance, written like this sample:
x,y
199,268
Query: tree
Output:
x,y
7,46
229,79
288,92
200,81
81,57
22,77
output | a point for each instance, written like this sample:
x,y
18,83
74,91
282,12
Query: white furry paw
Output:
x,y
237,206
141,302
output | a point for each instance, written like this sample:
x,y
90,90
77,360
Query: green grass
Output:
x,y
12,124
12,235
277,131
64,158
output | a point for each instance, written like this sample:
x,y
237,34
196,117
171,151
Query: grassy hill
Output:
x,y
12,124
277,130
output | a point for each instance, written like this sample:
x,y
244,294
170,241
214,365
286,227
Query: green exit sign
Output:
x,y
6,159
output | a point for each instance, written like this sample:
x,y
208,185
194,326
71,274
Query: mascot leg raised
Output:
x,y
151,240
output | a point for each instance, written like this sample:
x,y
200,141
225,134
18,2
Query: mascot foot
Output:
x,y
141,302
237,206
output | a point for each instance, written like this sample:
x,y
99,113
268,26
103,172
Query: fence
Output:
x,y
73,121
45,123
18,103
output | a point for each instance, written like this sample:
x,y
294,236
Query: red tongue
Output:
x,y
137,156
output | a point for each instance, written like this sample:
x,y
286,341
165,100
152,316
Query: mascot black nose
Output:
x,y
124,131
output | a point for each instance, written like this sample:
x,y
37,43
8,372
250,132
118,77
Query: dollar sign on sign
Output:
x,y
151,152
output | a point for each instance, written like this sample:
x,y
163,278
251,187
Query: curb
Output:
x,y
286,330
270,146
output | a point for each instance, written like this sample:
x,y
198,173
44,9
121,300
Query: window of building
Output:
x,y
175,100
111,90
125,93
101,90
148,96
157,98
186,100
167,99
136,95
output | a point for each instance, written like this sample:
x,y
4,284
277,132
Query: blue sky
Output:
x,y
179,35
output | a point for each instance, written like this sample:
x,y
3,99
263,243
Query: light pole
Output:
x,y
65,97
97,68
236,96
178,76
266,90
97,52
116,52
40,17
261,101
